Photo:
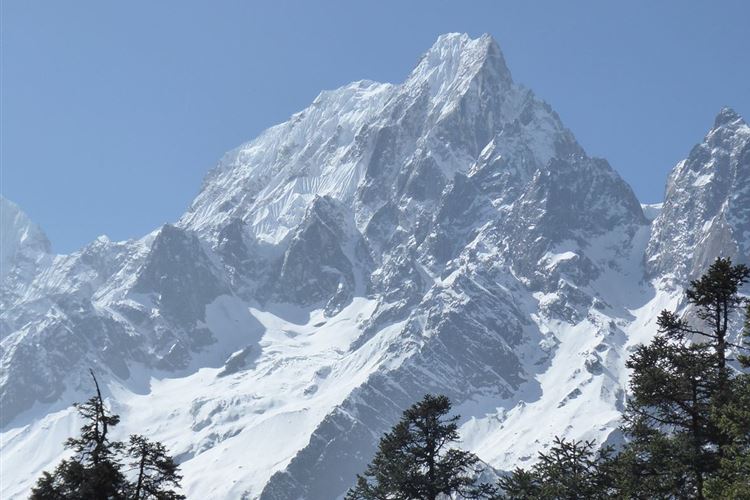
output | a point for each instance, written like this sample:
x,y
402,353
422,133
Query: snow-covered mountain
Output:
x,y
446,234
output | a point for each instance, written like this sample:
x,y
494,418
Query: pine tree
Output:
x,y
156,471
94,472
680,382
414,460
673,386
62,484
732,480
571,470
715,296
647,468
521,484
744,359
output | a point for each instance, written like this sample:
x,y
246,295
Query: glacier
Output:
x,y
446,234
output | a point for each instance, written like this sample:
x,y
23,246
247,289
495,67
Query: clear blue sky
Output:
x,y
112,112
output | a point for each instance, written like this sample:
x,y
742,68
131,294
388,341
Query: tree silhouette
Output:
x,y
95,470
156,471
570,470
414,460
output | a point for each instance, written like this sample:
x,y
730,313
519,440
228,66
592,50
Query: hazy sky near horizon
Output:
x,y
113,112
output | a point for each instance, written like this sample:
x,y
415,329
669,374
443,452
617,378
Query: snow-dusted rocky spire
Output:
x,y
21,238
454,60
727,117
707,204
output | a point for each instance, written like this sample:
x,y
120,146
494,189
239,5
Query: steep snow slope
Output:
x,y
446,234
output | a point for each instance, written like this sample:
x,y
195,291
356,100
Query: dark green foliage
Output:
x,y
646,468
95,470
744,359
680,384
570,470
520,485
94,444
156,472
70,479
414,460
668,417
715,297
732,480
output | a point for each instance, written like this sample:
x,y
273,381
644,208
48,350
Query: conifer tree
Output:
x,y
715,296
570,470
681,381
732,479
647,468
668,417
94,471
414,460
156,471
744,358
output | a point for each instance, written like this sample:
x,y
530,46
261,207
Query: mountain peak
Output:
x,y
462,41
706,204
18,234
458,57
727,116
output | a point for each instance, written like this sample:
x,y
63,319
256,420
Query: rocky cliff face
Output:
x,y
446,234
707,204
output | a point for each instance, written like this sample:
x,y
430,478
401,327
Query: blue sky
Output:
x,y
112,112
